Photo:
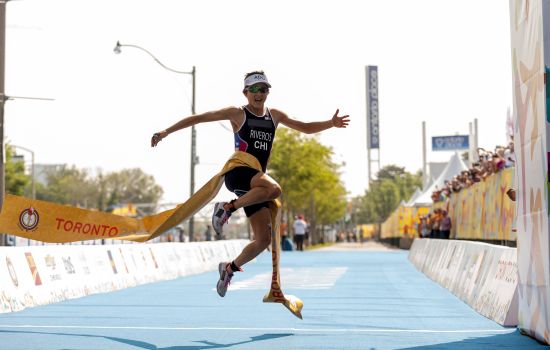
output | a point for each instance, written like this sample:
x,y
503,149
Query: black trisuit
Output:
x,y
255,137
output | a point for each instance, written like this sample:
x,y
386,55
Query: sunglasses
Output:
x,y
256,89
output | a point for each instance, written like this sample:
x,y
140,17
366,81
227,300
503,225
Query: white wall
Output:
x,y
482,275
38,275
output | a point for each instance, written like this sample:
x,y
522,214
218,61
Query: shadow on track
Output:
x,y
148,346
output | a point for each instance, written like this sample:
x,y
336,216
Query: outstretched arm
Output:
x,y
229,113
313,127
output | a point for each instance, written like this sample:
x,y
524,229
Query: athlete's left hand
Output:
x,y
340,122
157,137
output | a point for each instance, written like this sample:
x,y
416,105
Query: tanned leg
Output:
x,y
261,226
262,189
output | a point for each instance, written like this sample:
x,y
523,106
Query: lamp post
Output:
x,y
2,99
194,159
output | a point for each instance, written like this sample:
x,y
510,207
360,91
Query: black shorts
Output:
x,y
238,182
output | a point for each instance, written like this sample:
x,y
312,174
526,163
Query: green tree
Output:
x,y
129,186
72,186
309,178
392,185
68,185
385,197
405,181
16,181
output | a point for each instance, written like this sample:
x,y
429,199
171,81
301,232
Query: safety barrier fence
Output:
x,y
482,211
403,222
38,275
367,231
484,276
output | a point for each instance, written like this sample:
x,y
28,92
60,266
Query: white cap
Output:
x,y
255,79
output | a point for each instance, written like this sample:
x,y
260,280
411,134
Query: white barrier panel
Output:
x,y
482,275
38,275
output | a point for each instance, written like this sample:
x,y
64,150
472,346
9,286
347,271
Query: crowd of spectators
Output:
x,y
435,225
490,162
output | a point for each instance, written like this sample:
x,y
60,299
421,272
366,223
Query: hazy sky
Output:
x,y
443,62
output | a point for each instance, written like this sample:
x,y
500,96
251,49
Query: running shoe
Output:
x,y
220,217
225,279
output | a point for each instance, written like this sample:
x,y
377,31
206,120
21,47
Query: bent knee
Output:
x,y
264,242
275,191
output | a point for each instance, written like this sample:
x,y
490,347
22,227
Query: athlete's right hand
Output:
x,y
157,137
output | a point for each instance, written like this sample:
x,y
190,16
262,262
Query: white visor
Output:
x,y
255,79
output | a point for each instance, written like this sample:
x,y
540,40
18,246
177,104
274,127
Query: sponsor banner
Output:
x,y
367,231
530,31
50,222
68,272
373,132
484,211
450,143
403,222
482,275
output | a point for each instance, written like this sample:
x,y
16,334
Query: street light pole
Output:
x,y
194,159
3,238
2,101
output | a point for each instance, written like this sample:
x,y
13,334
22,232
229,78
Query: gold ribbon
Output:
x,y
275,294
56,223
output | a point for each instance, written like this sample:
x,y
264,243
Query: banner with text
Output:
x,y
450,143
373,128
482,275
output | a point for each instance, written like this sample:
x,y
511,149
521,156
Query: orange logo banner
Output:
x,y
50,222
55,223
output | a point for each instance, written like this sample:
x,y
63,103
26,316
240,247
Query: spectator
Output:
x,y
509,156
445,225
361,234
489,163
435,224
498,159
300,228
208,233
282,229
181,233
423,227
511,194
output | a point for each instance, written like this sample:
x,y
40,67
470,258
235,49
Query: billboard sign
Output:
x,y
450,143
373,130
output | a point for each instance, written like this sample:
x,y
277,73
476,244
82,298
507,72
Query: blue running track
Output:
x,y
352,300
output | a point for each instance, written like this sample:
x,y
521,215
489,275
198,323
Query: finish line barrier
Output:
x,y
39,275
482,275
51,222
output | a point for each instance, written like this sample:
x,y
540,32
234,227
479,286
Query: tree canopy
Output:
x,y
73,186
16,181
309,178
392,185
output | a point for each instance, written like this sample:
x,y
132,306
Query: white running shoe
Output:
x,y
225,279
220,217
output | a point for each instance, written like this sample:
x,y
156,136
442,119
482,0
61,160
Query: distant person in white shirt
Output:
x,y
509,156
300,228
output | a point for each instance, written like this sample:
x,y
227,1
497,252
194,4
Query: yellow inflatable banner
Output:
x,y
55,223
484,211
